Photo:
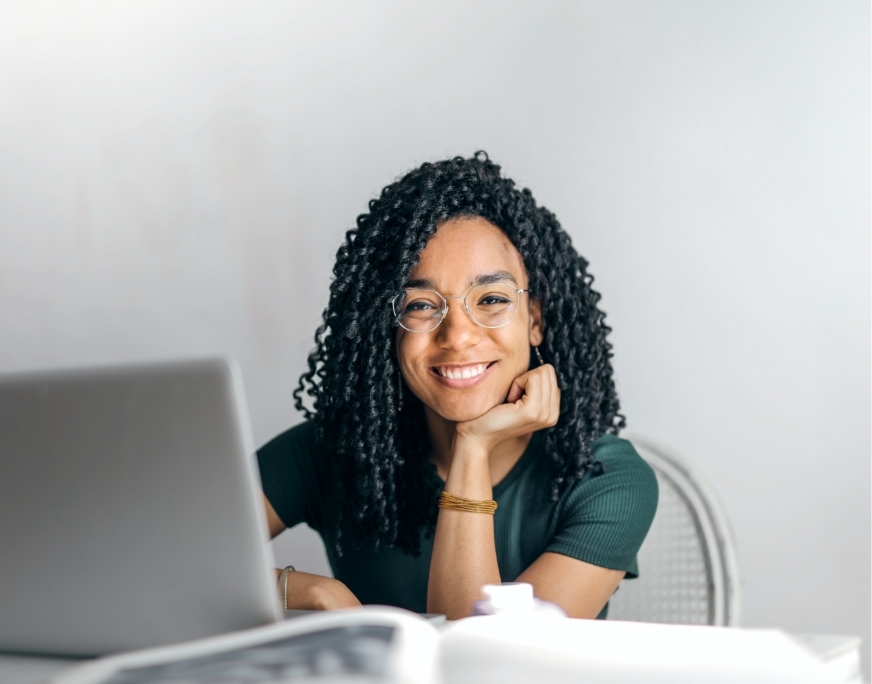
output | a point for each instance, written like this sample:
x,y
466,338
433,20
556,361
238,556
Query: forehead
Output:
x,y
464,249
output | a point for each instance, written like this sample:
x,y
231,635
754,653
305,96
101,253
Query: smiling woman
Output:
x,y
464,424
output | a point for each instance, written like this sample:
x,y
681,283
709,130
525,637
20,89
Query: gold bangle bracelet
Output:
x,y
458,503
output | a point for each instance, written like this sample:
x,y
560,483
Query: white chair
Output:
x,y
688,572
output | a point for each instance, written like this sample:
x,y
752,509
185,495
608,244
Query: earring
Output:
x,y
539,356
399,391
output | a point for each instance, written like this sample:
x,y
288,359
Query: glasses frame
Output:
x,y
444,310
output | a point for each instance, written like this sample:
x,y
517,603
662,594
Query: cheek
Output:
x,y
409,349
516,346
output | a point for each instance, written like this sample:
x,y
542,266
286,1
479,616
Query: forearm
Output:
x,y
464,554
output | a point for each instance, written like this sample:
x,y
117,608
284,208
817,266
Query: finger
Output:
x,y
519,386
537,397
516,391
555,396
554,409
533,394
546,393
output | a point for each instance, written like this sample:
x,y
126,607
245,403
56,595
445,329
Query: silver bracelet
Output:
x,y
283,585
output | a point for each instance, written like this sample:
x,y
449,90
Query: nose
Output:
x,y
457,330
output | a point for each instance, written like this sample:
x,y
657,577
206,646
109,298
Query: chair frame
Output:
x,y
712,527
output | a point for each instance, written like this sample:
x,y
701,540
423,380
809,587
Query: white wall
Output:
x,y
175,179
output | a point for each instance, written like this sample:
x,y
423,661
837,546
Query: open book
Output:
x,y
373,644
380,644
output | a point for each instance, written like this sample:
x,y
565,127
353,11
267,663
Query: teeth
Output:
x,y
462,373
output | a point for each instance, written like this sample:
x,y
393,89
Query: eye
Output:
x,y
419,305
493,300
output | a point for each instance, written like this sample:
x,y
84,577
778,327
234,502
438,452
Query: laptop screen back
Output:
x,y
130,511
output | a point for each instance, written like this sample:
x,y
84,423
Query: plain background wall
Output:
x,y
175,179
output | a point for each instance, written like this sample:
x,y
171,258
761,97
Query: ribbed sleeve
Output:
x,y
295,476
604,519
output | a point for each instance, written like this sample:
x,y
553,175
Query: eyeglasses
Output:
x,y
490,306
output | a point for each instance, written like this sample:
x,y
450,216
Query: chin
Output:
x,y
461,416
460,412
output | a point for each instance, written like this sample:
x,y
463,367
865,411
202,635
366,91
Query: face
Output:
x,y
461,370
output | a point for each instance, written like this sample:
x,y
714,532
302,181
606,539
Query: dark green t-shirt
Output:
x,y
601,520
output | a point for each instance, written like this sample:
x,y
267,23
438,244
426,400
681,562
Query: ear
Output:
x,y
537,330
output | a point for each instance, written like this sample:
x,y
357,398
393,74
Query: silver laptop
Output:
x,y
130,510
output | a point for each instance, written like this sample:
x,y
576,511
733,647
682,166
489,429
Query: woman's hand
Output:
x,y
464,552
315,592
533,403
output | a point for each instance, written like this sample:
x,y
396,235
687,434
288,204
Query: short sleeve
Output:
x,y
604,519
294,474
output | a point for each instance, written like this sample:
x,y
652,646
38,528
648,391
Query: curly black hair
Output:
x,y
386,484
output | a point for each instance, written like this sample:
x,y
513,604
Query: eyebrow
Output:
x,y
483,279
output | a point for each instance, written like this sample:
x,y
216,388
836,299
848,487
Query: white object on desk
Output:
x,y
509,596
512,597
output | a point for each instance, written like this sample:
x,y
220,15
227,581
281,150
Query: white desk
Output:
x,y
842,653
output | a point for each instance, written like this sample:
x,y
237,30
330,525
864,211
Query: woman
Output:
x,y
462,352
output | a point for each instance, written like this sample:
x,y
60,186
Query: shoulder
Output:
x,y
620,458
296,452
626,485
300,438
295,474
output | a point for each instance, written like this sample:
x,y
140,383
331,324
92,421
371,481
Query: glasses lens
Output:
x,y
492,305
419,310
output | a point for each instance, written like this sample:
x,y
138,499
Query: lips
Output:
x,y
465,375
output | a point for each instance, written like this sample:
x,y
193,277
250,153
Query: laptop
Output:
x,y
130,509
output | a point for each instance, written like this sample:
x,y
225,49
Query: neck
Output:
x,y
442,432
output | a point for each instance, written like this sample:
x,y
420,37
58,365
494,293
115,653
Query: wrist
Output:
x,y
469,472
470,448
283,586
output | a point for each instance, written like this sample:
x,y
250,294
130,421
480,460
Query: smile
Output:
x,y
462,376
458,373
